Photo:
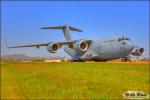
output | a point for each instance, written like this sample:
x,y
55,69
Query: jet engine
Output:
x,y
53,47
81,46
138,52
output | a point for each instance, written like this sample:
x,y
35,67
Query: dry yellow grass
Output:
x,y
39,80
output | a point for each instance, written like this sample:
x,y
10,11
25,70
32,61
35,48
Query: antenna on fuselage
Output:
x,y
66,30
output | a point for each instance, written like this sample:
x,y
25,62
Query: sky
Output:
x,y
21,22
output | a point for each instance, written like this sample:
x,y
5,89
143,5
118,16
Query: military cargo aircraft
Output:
x,y
90,49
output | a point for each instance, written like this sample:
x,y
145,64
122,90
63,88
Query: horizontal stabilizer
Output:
x,y
62,27
66,30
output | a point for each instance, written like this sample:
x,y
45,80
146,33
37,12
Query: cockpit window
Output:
x,y
119,39
126,39
123,38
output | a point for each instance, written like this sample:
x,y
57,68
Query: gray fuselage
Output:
x,y
103,49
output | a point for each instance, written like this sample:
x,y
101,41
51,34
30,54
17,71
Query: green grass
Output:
x,y
71,80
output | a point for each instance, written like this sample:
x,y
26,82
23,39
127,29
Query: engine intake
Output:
x,y
81,46
138,52
53,47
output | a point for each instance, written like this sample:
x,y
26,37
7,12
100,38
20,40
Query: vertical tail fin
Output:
x,y
66,30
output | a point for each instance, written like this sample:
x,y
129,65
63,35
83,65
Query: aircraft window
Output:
x,y
123,43
126,39
119,39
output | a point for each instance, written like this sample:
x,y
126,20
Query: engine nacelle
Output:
x,y
81,46
138,52
53,47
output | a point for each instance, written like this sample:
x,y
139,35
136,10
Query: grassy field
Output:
x,y
39,80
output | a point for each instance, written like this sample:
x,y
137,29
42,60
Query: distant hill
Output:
x,y
23,57
15,57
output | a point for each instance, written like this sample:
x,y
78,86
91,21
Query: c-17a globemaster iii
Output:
x,y
90,49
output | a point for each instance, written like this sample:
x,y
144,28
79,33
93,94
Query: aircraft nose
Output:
x,y
129,45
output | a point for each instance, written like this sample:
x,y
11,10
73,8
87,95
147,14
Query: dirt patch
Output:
x,y
136,62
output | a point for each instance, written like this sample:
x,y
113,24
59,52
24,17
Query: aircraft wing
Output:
x,y
32,45
46,44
